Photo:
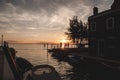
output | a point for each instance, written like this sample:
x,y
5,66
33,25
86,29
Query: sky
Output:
x,y
36,21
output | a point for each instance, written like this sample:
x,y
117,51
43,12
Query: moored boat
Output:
x,y
42,72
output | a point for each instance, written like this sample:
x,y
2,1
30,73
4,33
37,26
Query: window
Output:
x,y
93,26
110,23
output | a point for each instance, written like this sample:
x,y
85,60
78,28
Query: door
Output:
x,y
101,44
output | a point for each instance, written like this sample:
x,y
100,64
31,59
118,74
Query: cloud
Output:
x,y
49,17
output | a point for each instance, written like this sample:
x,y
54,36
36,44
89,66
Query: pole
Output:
x,y
2,40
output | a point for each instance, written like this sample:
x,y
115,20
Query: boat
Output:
x,y
17,68
42,72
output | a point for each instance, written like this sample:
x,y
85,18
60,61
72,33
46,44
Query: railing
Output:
x,y
11,62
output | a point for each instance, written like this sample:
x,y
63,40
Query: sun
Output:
x,y
63,41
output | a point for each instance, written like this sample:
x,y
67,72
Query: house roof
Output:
x,y
103,13
114,8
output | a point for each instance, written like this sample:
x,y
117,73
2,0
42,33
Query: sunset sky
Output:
x,y
43,20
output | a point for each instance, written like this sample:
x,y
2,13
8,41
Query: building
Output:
x,y
104,32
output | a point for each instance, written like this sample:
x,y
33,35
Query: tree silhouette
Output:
x,y
77,31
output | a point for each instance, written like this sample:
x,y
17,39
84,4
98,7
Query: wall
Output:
x,y
1,65
5,71
7,74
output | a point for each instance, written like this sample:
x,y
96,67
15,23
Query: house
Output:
x,y
104,32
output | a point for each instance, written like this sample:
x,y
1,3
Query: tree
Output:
x,y
77,31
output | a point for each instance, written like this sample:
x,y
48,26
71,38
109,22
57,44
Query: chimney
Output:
x,y
95,11
116,4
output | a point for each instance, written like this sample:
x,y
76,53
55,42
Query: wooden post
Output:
x,y
2,40
47,45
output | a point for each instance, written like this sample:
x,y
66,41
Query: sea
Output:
x,y
68,70
38,55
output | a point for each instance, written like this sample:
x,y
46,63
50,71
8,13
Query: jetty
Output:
x,y
95,67
76,54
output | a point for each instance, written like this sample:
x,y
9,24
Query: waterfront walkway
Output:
x,y
83,55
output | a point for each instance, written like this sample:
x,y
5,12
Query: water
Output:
x,y
85,70
37,55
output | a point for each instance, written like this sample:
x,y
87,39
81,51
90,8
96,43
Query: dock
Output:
x,y
82,54
68,51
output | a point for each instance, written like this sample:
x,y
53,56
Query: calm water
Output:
x,y
37,55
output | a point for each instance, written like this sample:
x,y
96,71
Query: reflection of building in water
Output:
x,y
104,31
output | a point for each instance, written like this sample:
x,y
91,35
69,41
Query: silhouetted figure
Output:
x,y
60,45
68,45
